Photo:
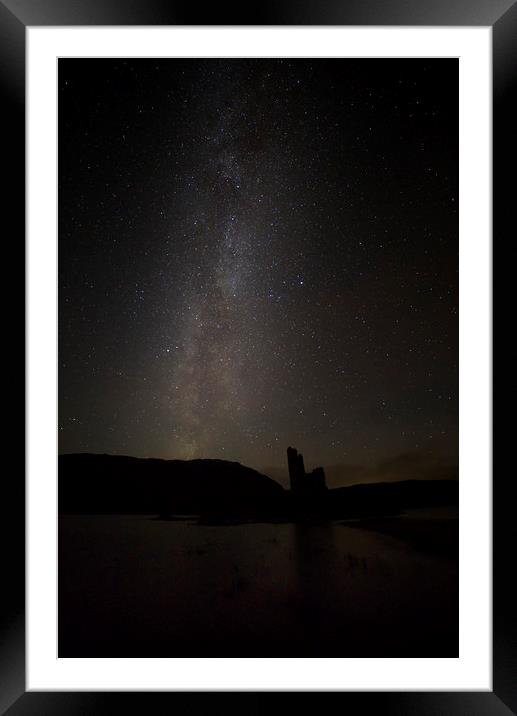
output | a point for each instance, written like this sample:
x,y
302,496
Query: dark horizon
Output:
x,y
408,466
257,253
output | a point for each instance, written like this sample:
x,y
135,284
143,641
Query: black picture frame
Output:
x,y
15,16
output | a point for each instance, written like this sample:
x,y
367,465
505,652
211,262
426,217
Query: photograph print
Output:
x,y
258,357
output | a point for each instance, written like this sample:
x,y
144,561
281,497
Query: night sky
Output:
x,y
258,253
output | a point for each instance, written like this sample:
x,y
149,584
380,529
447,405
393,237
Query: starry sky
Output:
x,y
256,253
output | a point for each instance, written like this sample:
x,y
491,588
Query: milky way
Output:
x,y
256,253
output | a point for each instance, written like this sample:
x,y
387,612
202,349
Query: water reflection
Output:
x,y
131,586
316,564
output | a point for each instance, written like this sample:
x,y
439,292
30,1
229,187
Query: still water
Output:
x,y
137,586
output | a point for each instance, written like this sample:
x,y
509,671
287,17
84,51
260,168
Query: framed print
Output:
x,y
248,240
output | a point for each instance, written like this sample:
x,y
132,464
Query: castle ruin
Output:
x,y
303,483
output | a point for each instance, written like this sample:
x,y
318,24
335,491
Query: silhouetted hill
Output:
x,y
415,465
91,484
378,498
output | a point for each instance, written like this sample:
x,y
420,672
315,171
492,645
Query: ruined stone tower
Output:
x,y
300,482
